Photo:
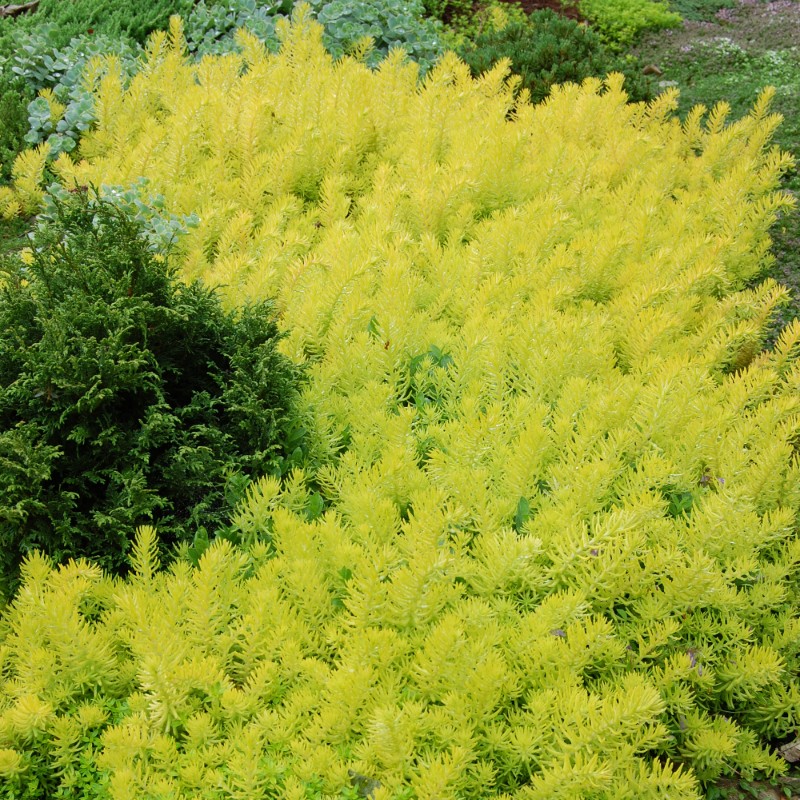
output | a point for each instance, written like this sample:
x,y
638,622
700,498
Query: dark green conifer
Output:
x,y
126,396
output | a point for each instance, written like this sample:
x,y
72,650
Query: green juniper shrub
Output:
x,y
13,234
550,49
126,396
14,98
117,18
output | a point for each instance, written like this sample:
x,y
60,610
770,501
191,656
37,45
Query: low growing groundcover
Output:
x,y
542,539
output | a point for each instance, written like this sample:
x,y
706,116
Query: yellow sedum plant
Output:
x,y
544,542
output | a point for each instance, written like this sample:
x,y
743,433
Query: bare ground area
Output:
x,y
754,25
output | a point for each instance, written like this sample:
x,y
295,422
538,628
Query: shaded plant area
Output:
x,y
126,396
15,95
13,234
14,98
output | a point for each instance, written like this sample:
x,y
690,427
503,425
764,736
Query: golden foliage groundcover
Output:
x,y
544,542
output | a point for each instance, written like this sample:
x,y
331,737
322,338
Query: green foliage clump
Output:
x,y
619,22
116,18
14,98
125,396
442,9
550,49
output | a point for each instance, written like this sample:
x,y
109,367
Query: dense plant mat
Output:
x,y
543,541
105,17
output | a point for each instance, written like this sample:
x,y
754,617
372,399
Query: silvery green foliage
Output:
x,y
64,134
390,24
210,28
160,228
43,66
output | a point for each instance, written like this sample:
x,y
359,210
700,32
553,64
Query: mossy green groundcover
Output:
x,y
543,539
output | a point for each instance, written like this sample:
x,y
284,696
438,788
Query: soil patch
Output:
x,y
567,9
752,25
